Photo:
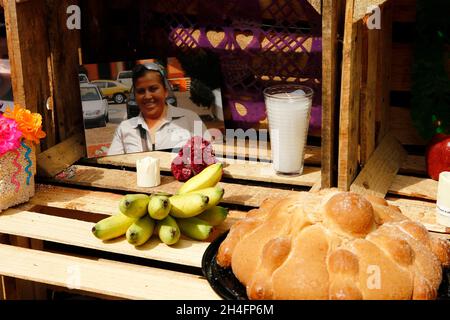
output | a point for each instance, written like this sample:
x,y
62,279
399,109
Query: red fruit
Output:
x,y
192,158
179,170
438,155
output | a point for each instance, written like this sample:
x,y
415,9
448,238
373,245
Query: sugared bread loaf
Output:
x,y
333,245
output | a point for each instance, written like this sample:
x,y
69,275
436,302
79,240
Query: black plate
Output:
x,y
226,285
222,280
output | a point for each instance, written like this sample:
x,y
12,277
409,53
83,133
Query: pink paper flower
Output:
x,y
9,135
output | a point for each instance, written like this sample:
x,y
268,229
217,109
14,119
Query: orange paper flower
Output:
x,y
30,124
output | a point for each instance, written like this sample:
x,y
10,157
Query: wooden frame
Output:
x,y
374,121
51,56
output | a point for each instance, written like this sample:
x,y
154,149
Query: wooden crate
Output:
x,y
376,131
45,240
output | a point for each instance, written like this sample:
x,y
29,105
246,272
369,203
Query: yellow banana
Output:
x,y
214,216
187,205
168,230
209,177
159,207
140,231
215,194
134,205
195,228
112,227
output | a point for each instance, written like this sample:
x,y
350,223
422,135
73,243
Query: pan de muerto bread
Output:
x,y
333,245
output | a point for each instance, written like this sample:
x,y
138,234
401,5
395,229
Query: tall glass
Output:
x,y
288,111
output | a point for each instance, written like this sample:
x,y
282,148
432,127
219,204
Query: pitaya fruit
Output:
x,y
192,158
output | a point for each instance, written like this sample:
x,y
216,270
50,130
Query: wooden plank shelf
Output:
x,y
239,194
233,168
77,233
105,277
414,187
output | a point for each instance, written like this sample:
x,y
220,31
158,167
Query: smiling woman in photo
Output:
x,y
159,125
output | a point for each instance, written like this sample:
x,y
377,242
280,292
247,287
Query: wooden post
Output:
x,y
28,53
350,99
331,24
365,87
384,72
64,46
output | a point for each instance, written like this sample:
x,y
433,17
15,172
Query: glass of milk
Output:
x,y
288,111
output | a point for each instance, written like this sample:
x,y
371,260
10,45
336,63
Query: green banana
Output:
x,y
209,177
112,227
134,205
159,207
215,194
214,216
140,231
195,228
187,205
168,230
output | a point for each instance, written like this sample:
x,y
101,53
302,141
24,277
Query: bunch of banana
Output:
x,y
192,211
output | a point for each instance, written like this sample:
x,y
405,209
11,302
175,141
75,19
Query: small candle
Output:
x,y
443,199
148,174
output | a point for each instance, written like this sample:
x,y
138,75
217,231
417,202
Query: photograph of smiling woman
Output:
x,y
159,125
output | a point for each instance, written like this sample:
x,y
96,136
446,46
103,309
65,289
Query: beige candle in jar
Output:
x,y
443,199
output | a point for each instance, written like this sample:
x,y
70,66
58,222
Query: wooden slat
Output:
x,y
39,220
331,24
384,73
64,63
414,187
350,99
236,169
78,233
380,171
414,165
401,126
59,157
422,211
114,179
105,202
75,199
248,150
103,276
28,52
97,202
369,93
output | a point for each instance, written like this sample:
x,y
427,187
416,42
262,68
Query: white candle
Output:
x,y
443,199
147,171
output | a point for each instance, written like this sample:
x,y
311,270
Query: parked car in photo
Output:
x,y
83,78
112,90
94,105
126,78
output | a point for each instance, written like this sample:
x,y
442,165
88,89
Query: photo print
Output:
x,y
121,117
